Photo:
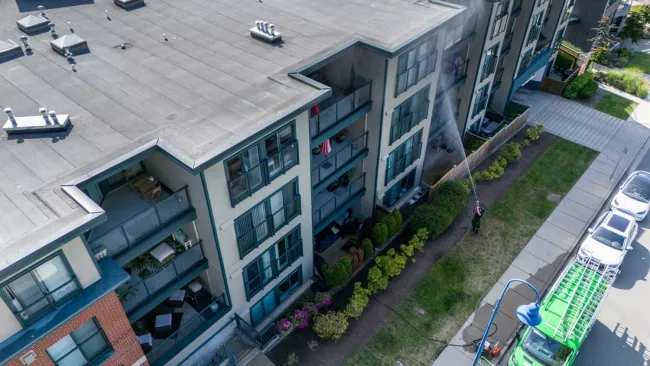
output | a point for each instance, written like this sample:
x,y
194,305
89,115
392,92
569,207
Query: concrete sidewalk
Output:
x,y
545,254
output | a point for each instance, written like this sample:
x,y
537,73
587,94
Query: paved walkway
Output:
x,y
545,254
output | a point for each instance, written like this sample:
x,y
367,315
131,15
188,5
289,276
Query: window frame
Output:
x,y
268,218
481,98
500,23
274,264
52,304
388,202
278,299
430,57
417,109
399,154
78,345
536,28
526,60
264,159
490,62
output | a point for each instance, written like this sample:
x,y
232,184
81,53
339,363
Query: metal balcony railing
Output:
x,y
334,162
142,291
260,338
534,34
131,231
339,199
338,107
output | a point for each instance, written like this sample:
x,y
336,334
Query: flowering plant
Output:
x,y
300,317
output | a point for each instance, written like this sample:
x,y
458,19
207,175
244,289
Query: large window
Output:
x,y
272,262
262,162
501,19
275,297
403,156
40,290
399,189
267,217
490,62
87,345
416,64
408,114
481,100
526,60
536,28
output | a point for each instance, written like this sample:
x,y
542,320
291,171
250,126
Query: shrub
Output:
x,y
630,81
366,228
563,62
589,90
356,256
331,325
340,272
389,221
535,132
376,280
379,234
358,301
368,249
391,264
494,171
580,82
511,152
416,243
398,218
442,211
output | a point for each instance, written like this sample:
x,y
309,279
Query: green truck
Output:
x,y
568,313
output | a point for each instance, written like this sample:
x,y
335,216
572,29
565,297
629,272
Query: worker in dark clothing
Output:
x,y
476,221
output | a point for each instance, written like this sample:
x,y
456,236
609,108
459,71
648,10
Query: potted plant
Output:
x,y
333,186
347,177
316,150
341,135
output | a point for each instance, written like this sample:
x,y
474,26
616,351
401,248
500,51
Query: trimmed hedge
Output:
x,y
340,272
379,234
368,248
443,210
582,86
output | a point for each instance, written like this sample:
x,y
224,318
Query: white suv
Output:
x,y
633,196
611,238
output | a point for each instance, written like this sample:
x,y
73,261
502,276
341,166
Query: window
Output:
x,y
275,297
536,28
272,262
454,34
87,345
39,291
267,217
399,189
526,61
415,65
258,165
501,19
408,114
403,156
490,62
481,100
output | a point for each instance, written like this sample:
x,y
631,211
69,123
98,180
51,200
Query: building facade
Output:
x,y
587,15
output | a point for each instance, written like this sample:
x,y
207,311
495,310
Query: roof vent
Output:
x,y
129,4
32,24
265,32
46,122
9,50
28,358
70,43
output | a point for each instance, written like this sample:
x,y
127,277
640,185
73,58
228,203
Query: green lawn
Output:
x,y
452,288
640,60
635,8
616,106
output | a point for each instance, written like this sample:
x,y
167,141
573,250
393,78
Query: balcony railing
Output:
x,y
500,24
262,338
338,200
453,75
534,34
131,231
333,163
142,291
191,329
489,67
335,108
403,162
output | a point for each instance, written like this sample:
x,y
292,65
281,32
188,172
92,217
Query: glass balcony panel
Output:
x,y
114,241
162,278
172,206
327,117
133,296
345,106
141,225
188,259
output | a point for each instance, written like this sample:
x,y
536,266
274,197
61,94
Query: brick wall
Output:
x,y
110,315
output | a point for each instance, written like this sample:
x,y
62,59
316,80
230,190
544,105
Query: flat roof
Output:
x,y
196,92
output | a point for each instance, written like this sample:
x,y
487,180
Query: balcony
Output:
x,y
262,338
189,320
455,74
538,60
507,42
153,279
534,34
330,204
344,107
344,156
489,67
134,224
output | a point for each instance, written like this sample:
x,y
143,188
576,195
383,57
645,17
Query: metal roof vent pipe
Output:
x,y
70,27
53,117
44,113
265,31
42,9
10,114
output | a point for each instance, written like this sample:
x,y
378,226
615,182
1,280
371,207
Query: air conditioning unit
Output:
x,y
28,358
101,254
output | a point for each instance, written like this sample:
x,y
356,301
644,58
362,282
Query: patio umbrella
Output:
x,y
326,147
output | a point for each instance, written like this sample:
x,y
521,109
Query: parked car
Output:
x,y
611,238
633,196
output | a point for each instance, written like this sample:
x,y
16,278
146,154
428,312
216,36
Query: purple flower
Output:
x,y
327,302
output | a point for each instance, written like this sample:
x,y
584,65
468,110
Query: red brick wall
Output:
x,y
110,315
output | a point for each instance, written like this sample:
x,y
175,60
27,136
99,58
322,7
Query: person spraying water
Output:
x,y
476,220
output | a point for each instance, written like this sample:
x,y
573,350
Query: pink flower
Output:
x,y
327,302
285,323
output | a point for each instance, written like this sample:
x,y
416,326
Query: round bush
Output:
x,y
331,325
368,248
391,225
379,234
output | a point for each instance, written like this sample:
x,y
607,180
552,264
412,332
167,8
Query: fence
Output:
x,y
555,87
487,149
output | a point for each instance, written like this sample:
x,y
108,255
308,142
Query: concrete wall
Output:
x,y
10,325
225,214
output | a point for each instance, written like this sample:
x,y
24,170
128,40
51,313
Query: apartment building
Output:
x,y
203,161
587,15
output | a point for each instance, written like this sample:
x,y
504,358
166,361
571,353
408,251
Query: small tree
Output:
x,y
379,234
634,27
602,41
645,14
356,256
368,249
358,301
